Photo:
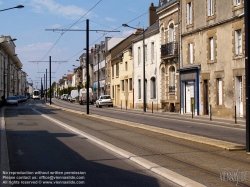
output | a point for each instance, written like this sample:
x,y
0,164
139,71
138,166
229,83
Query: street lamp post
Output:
x,y
144,82
18,6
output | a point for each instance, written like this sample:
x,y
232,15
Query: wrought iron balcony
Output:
x,y
171,89
169,49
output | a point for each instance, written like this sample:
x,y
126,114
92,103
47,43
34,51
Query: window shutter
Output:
x,y
220,91
236,43
211,48
191,53
191,13
188,13
212,7
208,8
240,42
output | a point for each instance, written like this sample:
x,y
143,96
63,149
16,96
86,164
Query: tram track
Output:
x,y
159,153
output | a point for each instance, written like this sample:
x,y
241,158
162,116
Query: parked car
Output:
x,y
12,100
73,95
83,96
19,98
65,97
104,100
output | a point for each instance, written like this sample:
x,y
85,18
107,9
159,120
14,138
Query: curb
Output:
x,y
4,165
229,146
168,174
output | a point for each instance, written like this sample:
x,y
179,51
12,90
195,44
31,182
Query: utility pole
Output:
x,y
49,72
50,80
46,87
87,49
87,62
247,71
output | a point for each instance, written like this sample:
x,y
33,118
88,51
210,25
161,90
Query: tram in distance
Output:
x,y
36,94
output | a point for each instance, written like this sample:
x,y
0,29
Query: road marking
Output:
x,y
164,172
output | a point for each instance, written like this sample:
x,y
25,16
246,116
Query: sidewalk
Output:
x,y
200,118
240,122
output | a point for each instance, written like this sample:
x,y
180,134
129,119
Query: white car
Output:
x,y
12,100
104,100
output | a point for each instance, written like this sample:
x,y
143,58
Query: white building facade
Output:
x,y
152,60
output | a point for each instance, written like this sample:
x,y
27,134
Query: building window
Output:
x,y
191,53
211,48
139,88
171,33
130,84
152,51
219,91
172,79
145,52
122,85
117,69
139,55
237,2
153,87
113,71
126,66
238,42
189,13
210,7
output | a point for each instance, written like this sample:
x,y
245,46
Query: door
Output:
x,y
205,97
189,90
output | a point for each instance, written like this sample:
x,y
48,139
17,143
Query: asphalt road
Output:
x,y
203,128
44,150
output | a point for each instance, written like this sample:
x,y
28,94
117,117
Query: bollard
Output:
x,y
121,105
152,108
126,104
235,115
210,112
192,110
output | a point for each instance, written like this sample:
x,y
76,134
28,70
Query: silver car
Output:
x,y
104,100
12,100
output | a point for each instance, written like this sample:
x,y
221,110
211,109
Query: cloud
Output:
x,y
68,11
35,52
110,19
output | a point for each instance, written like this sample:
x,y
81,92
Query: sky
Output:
x,y
34,43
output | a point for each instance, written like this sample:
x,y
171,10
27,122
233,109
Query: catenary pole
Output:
x,y
46,86
247,71
87,62
50,80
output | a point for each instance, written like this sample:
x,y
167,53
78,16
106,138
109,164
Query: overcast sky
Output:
x,y
33,43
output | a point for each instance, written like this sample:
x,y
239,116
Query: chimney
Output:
x,y
152,14
138,31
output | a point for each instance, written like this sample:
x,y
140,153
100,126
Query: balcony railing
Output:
x,y
171,89
169,49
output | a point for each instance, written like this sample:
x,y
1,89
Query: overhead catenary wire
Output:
x,y
106,33
68,29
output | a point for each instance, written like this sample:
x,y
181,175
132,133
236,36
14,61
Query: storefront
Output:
x,y
189,79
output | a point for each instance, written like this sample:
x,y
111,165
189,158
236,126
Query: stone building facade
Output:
x,y
212,71
168,12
